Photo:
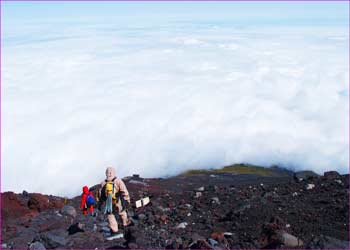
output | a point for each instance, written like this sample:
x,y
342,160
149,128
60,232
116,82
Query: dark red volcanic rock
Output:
x,y
41,202
13,206
16,206
196,212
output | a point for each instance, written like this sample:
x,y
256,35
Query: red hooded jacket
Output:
x,y
84,196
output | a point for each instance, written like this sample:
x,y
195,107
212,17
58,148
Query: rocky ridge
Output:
x,y
196,210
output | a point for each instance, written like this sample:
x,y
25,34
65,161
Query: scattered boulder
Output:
x,y
23,237
331,175
268,238
273,235
310,186
339,182
182,225
289,240
76,228
215,200
198,194
69,211
36,246
54,239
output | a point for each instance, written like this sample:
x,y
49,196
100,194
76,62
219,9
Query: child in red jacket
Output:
x,y
87,201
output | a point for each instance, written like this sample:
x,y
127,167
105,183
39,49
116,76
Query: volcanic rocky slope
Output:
x,y
235,207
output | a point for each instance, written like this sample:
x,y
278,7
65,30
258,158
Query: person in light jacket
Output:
x,y
114,190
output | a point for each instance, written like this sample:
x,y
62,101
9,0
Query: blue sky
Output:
x,y
287,12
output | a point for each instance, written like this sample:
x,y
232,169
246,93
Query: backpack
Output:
x,y
107,188
90,200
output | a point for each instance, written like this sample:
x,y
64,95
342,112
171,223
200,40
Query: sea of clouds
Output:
x,y
161,99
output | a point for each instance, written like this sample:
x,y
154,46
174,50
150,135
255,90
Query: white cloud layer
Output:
x,y
161,100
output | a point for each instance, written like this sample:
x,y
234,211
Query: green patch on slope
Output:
x,y
240,169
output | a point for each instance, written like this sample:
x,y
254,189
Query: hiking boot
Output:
x,y
115,235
